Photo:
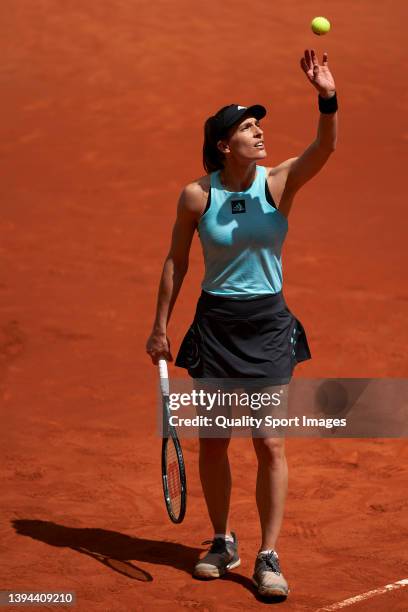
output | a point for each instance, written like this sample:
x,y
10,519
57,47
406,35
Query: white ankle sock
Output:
x,y
264,552
224,536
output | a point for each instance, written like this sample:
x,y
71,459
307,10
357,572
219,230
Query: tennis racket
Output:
x,y
173,469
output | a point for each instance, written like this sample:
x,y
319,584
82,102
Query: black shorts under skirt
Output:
x,y
257,338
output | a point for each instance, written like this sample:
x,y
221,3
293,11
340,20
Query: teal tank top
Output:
x,y
241,235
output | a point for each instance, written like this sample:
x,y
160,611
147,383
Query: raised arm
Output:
x,y
174,270
301,169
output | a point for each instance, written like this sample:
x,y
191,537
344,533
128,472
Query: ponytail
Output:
x,y
213,159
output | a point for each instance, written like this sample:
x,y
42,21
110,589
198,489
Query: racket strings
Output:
x,y
173,478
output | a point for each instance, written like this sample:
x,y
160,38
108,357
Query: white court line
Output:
x,y
363,596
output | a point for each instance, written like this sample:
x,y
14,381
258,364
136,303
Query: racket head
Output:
x,y
173,470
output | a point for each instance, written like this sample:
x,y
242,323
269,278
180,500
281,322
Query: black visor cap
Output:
x,y
227,116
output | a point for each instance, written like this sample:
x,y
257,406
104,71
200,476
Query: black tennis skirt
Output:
x,y
257,338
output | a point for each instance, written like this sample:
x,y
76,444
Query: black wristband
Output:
x,y
328,105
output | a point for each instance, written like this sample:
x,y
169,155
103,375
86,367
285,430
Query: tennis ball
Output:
x,y
320,25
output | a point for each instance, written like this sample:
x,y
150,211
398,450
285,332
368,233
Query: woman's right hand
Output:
x,y
158,347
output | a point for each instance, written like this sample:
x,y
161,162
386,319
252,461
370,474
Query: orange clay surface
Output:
x,y
103,104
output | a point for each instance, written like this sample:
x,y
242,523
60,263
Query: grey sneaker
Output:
x,y
222,556
268,577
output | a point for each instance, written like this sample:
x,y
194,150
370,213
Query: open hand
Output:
x,y
319,75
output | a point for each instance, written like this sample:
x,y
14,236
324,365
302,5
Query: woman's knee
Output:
x,y
269,449
214,447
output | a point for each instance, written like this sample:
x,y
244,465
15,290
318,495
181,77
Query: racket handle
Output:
x,y
164,376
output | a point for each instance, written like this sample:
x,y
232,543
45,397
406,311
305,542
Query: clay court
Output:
x,y
103,105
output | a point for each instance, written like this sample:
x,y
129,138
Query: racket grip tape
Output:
x,y
164,377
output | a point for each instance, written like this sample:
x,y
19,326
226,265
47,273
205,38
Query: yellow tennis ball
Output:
x,y
320,25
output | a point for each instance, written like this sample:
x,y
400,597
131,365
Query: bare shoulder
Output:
x,y
277,177
194,195
201,185
281,169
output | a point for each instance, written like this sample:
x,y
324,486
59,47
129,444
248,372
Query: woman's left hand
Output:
x,y
319,75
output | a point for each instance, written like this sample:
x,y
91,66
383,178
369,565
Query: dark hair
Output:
x,y
213,158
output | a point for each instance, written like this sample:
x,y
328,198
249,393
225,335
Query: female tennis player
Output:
x,y
242,327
